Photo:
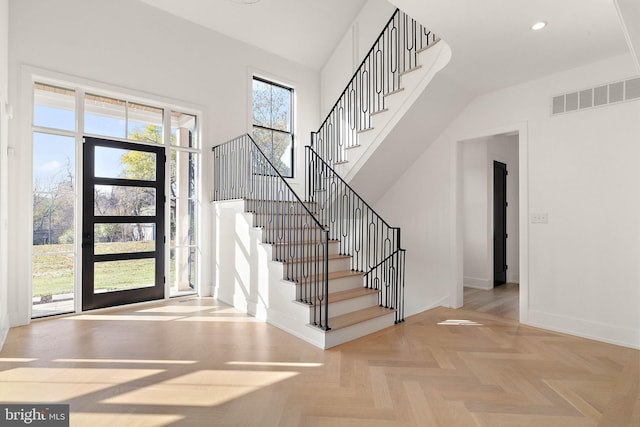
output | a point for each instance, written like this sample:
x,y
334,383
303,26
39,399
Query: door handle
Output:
x,y
86,240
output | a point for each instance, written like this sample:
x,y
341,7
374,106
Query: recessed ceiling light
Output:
x,y
538,26
245,1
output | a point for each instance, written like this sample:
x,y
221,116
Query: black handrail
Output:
x,y
393,53
374,246
389,273
344,183
298,239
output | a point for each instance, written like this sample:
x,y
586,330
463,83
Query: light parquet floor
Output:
x,y
201,363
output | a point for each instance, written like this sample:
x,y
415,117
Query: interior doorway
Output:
x,y
489,216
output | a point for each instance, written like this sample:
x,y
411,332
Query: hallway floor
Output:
x,y
197,362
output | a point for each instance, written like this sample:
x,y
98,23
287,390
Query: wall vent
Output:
x,y
625,90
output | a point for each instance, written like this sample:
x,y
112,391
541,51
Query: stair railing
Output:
x,y
242,171
394,53
374,246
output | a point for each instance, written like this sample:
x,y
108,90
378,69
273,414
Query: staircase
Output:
x,y
328,268
286,261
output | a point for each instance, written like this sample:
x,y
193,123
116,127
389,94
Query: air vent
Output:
x,y
625,90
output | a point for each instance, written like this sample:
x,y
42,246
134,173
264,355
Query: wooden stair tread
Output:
x,y
331,257
383,110
339,275
393,92
298,242
364,130
355,317
334,275
284,213
410,70
275,227
350,294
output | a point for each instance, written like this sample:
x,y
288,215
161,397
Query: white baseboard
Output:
x,y
598,331
4,329
477,283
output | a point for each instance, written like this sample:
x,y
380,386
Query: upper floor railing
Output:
x,y
393,53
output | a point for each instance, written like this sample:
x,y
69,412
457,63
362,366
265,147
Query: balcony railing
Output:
x,y
394,53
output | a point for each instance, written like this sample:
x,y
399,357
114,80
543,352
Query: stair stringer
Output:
x,y
412,83
248,279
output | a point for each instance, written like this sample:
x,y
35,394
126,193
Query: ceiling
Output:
x,y
492,41
493,45
303,31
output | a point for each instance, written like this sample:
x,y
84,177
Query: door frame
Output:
x,y
91,300
456,298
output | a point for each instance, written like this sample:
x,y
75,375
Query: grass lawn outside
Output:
x,y
53,268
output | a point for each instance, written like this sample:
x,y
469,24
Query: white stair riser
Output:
x,y
347,306
264,204
284,221
298,270
358,330
296,250
287,235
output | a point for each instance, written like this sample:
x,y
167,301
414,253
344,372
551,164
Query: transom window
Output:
x,y
273,123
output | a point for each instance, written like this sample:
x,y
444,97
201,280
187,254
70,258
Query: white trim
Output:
x,y
599,331
456,286
477,283
29,75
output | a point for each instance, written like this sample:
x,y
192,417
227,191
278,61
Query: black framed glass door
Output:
x,y
122,223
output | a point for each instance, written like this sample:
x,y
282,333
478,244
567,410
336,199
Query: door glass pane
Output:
x,y
145,123
121,275
183,222
54,107
126,164
183,129
182,270
183,174
52,282
112,238
104,116
119,200
54,160
53,225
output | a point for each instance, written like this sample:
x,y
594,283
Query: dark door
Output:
x,y
122,223
499,223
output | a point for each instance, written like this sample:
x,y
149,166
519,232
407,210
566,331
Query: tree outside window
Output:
x,y
272,123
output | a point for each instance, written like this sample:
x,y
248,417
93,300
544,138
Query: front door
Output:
x,y
122,223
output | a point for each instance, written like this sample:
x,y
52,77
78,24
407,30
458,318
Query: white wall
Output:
x,y
351,50
478,156
581,271
131,45
475,191
4,122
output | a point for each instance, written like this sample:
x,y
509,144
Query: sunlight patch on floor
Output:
x,y
459,322
201,388
285,364
125,317
94,419
32,384
139,361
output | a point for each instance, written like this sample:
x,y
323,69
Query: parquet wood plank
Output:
x,y
200,363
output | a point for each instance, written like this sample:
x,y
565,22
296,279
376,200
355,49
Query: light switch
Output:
x,y
540,218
